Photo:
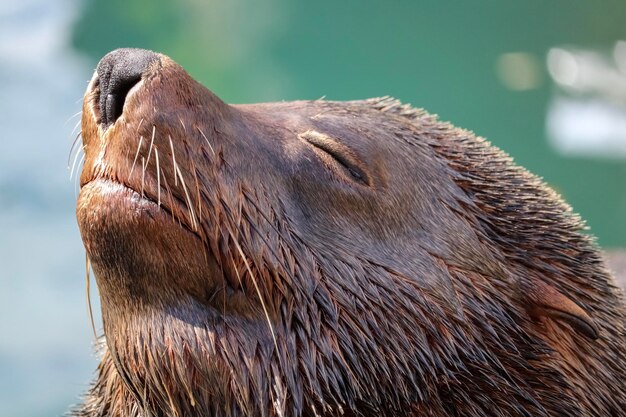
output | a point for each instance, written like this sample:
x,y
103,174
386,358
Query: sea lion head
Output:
x,y
325,258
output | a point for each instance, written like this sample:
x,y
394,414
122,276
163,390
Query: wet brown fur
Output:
x,y
269,282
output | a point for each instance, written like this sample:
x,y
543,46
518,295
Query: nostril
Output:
x,y
118,72
112,101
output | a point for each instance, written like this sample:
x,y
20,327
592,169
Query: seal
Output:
x,y
319,258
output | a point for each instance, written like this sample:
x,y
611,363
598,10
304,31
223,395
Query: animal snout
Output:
x,y
117,73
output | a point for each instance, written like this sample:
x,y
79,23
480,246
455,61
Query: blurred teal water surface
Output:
x,y
483,67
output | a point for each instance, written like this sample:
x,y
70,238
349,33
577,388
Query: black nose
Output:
x,y
118,72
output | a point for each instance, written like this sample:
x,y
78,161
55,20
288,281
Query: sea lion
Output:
x,y
319,258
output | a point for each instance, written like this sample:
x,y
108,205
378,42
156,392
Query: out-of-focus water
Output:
x,y
484,68
45,356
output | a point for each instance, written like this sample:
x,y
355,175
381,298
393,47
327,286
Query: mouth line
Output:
x,y
147,198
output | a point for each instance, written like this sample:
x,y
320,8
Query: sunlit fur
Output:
x,y
249,280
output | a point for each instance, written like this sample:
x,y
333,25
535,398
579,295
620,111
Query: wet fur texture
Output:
x,y
267,284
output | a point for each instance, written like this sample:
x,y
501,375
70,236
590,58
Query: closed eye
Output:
x,y
337,156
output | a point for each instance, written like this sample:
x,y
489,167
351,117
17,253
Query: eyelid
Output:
x,y
340,153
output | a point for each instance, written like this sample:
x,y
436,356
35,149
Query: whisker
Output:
x,y
258,291
232,260
158,171
89,308
189,205
136,155
183,124
72,116
206,139
76,126
230,215
143,174
76,179
174,160
151,142
171,198
254,228
198,197
139,125
74,163
76,139
224,301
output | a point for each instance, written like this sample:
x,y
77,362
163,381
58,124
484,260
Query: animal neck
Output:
x,y
175,362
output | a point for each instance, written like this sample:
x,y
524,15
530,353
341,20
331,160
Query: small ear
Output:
x,y
548,301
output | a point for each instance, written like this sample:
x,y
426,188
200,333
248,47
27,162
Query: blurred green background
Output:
x,y
439,55
515,73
